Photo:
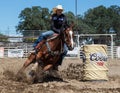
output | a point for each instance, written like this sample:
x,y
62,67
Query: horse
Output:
x,y
49,53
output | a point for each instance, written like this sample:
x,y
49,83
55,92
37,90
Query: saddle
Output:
x,y
52,37
48,39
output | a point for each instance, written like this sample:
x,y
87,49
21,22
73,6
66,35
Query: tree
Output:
x,y
80,25
102,19
114,12
97,19
3,38
37,18
32,19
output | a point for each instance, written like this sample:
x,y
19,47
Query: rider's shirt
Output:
x,y
59,23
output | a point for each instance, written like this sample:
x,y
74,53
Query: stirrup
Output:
x,y
33,51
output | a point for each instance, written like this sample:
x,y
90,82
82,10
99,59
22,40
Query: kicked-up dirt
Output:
x,y
69,80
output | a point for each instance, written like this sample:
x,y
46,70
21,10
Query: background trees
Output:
x,y
100,20
33,19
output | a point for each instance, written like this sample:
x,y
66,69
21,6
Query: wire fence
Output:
x,y
15,50
25,42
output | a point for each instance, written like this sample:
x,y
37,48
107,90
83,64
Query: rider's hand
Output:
x,y
62,29
68,28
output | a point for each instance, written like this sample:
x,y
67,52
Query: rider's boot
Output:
x,y
39,44
35,50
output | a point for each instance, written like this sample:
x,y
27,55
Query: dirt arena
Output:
x,y
70,72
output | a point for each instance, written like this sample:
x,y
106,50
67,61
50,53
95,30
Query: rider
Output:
x,y
58,24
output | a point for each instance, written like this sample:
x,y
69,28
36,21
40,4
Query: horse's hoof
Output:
x,y
32,73
55,68
40,81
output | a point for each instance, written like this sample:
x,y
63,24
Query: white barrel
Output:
x,y
95,63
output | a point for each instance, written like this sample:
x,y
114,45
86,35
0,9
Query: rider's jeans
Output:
x,y
43,36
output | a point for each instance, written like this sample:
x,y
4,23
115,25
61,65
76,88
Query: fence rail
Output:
x,y
26,48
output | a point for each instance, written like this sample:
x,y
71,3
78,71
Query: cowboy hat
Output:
x,y
58,7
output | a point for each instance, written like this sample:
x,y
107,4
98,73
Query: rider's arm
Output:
x,y
53,27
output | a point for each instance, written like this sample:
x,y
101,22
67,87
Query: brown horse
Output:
x,y
50,51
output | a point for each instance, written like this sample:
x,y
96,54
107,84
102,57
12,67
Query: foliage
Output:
x,y
80,25
29,40
35,18
102,19
98,20
3,38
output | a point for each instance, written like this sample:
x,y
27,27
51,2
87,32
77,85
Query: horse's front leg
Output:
x,y
29,60
20,74
35,65
47,67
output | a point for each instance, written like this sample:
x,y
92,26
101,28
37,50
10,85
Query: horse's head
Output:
x,y
68,37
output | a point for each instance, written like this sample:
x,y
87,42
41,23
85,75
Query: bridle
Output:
x,y
68,38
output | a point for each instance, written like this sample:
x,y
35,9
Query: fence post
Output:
x,y
78,36
112,56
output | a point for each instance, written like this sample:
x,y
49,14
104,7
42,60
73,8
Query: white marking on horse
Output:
x,y
71,33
